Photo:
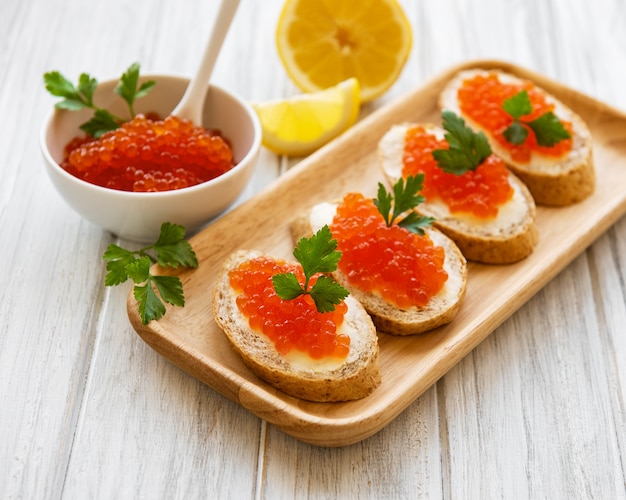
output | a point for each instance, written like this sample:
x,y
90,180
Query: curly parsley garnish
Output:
x,y
548,129
398,208
317,254
468,149
170,250
80,96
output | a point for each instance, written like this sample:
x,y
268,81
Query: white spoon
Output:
x,y
191,105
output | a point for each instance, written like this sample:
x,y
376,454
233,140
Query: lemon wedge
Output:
x,y
324,42
303,123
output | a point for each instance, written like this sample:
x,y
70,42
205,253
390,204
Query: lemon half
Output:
x,y
324,42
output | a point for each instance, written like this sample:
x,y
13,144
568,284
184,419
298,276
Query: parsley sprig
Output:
x,y
170,250
468,149
317,254
80,96
548,129
398,207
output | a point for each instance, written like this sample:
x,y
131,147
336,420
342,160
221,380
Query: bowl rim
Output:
x,y
242,164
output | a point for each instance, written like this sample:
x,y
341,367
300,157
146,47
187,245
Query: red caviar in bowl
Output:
x,y
290,324
147,154
481,98
479,192
403,267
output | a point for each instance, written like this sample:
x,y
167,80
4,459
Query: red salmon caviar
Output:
x,y
150,155
290,324
403,267
481,98
479,192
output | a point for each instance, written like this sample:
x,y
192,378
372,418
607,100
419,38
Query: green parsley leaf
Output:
x,y
170,250
416,223
127,87
87,87
548,129
467,149
287,286
139,269
80,96
384,202
117,260
71,104
60,86
150,306
101,122
317,254
515,133
518,105
327,293
403,200
405,195
170,289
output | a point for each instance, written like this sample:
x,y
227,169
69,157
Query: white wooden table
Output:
x,y
88,410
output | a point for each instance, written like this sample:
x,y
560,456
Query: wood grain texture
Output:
x,y
88,410
190,338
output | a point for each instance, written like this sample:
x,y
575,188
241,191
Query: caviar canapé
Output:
x,y
404,268
290,324
481,98
479,192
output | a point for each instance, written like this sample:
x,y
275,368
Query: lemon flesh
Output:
x,y
301,124
324,42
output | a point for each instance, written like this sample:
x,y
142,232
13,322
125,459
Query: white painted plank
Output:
x,y
538,417
608,274
149,430
401,461
184,435
534,400
88,410
46,303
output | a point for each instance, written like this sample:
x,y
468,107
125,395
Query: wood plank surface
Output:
x,y
190,338
88,410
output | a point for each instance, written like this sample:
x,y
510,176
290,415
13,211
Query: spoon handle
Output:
x,y
190,106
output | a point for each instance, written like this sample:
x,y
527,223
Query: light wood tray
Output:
x,y
190,339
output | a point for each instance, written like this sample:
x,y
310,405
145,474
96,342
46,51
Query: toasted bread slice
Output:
x,y
507,238
388,318
297,374
551,181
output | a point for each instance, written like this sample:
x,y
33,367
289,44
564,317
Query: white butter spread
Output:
x,y
510,214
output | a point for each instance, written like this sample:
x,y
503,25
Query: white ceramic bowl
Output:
x,y
138,216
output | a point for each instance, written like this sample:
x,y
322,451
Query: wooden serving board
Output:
x,y
189,337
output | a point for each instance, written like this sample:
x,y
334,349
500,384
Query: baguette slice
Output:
x,y
296,374
552,182
507,238
388,318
